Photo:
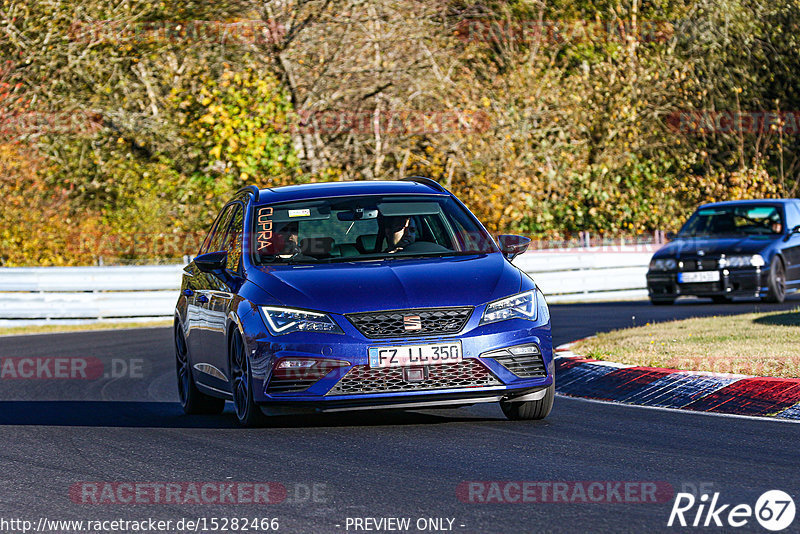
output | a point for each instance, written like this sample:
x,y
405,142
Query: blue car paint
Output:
x,y
391,284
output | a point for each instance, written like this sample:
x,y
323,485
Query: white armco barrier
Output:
x,y
39,294
587,276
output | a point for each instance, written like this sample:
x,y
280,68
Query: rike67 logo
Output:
x,y
774,510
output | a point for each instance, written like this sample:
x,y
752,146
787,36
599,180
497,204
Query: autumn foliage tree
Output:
x,y
138,118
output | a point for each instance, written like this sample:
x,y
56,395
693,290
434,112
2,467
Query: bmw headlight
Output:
x,y
520,306
282,321
755,260
663,264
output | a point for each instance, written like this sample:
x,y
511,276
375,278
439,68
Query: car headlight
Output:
x,y
282,321
756,260
663,264
520,306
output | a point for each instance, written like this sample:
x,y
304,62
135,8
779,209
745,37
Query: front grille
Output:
x,y
698,288
396,323
699,264
465,374
523,365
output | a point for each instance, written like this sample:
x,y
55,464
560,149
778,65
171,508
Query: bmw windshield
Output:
x,y
750,219
365,228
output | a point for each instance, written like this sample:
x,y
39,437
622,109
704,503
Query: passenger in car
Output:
x,y
287,239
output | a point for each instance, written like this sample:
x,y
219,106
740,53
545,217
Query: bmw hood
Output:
x,y
692,247
391,284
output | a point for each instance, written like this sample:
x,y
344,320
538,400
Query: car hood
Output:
x,y
693,246
391,284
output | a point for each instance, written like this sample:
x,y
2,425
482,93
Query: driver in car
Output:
x,y
399,233
777,227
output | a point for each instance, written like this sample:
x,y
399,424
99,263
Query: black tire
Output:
x,y
720,299
776,283
538,409
247,411
661,301
193,401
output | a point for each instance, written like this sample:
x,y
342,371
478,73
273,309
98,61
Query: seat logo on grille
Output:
x,y
412,322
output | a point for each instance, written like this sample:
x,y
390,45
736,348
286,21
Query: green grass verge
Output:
x,y
55,328
759,344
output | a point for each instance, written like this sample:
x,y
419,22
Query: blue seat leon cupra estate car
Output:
x,y
359,295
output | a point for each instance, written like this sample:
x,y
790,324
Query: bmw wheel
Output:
x,y
537,409
776,283
247,412
193,401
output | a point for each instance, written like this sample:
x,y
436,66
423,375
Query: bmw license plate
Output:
x,y
409,355
699,276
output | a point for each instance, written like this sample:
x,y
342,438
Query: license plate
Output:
x,y
699,276
410,355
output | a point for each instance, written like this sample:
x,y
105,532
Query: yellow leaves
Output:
x,y
215,152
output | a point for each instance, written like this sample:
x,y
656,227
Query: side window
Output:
x,y
205,247
218,240
234,240
792,215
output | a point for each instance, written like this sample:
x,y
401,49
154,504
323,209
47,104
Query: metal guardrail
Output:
x,y
587,276
39,294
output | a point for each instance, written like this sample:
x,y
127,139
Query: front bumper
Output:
x,y
482,379
746,282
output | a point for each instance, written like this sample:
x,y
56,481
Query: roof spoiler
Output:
x,y
250,189
425,181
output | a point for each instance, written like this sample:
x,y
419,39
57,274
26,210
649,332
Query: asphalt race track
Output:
x,y
126,426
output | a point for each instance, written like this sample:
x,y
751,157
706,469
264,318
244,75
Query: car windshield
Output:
x,y
365,228
734,220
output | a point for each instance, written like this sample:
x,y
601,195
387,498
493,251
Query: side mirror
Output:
x,y
513,245
212,261
670,236
790,233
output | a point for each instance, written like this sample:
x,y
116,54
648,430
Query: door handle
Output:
x,y
202,299
188,292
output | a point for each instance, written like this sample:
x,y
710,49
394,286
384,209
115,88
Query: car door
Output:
x,y
222,297
791,247
194,288
204,285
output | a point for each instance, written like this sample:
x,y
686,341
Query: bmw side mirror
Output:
x,y
513,245
795,230
212,262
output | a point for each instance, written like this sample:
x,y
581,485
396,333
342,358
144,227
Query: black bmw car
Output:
x,y
744,248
